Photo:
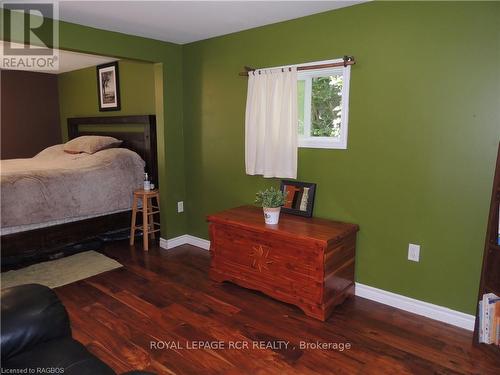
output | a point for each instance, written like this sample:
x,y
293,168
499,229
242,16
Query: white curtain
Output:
x,y
271,123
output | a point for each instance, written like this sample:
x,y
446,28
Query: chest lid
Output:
x,y
316,229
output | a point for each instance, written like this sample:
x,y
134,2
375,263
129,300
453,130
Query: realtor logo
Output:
x,y
30,35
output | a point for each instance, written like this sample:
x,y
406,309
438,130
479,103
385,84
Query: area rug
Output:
x,y
61,271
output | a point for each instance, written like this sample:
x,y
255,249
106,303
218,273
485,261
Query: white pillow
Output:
x,y
90,144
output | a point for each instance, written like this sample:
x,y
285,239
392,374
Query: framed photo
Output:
x,y
299,197
108,87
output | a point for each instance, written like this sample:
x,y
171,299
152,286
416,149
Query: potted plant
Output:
x,y
271,201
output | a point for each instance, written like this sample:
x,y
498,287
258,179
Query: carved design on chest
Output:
x,y
260,259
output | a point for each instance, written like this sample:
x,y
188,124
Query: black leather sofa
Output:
x,y
36,336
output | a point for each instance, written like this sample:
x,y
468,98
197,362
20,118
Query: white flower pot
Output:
x,y
271,215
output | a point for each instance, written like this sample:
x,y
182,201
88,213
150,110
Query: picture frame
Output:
x,y
299,197
108,87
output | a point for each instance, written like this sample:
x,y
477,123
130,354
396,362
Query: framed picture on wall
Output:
x,y
299,197
108,87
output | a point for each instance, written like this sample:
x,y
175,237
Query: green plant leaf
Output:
x,y
270,198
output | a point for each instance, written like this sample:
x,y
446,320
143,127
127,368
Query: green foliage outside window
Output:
x,y
326,106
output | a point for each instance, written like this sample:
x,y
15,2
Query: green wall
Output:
x,y
78,92
424,128
423,134
168,69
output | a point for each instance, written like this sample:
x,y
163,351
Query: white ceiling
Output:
x,y
188,21
68,61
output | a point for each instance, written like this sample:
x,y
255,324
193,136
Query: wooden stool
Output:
x,y
148,211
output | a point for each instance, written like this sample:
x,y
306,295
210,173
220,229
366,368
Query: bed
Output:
x,y
55,198
55,187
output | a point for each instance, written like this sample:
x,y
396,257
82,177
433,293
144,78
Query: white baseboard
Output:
x,y
173,242
197,241
415,306
183,240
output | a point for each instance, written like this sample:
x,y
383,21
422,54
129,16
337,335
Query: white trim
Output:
x,y
197,241
415,306
321,142
185,239
344,129
429,310
173,242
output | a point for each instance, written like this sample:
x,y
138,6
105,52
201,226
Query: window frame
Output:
x,y
307,75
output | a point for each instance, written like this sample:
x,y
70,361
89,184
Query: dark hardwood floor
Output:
x,y
167,296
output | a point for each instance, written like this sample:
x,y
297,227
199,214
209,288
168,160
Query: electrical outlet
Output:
x,y
414,252
180,206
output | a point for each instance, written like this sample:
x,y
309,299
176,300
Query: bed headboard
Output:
x,y
138,134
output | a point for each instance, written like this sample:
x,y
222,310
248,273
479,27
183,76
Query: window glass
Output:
x,y
326,106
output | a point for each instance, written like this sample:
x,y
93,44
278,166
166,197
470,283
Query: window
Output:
x,y
323,102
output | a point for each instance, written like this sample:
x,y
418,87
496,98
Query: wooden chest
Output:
x,y
307,262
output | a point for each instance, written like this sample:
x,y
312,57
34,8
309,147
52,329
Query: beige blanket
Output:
x,y
55,185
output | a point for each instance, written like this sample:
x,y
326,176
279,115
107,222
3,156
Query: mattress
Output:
x,y
55,186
